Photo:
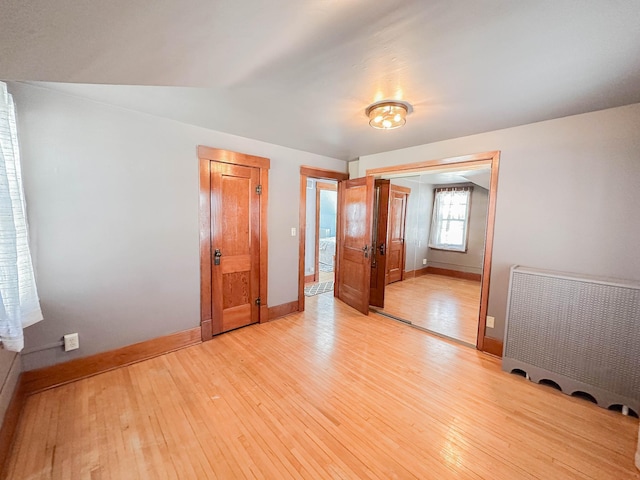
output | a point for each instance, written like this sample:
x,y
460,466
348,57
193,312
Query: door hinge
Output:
x,y
258,301
259,189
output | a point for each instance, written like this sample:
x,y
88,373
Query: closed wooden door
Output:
x,y
379,253
396,233
235,246
354,249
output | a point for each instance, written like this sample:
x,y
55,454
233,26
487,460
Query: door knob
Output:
x,y
216,257
365,249
381,248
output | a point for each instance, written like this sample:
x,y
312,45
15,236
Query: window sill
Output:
x,y
444,249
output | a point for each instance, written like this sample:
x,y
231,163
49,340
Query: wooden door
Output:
x,y
235,246
396,231
379,254
354,255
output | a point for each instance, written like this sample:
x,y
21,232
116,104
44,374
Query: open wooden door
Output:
x,y
354,248
379,253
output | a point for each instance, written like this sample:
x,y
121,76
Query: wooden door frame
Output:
x,y
322,186
307,172
406,191
491,159
206,155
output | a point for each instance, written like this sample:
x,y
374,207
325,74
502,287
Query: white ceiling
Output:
x,y
479,176
300,73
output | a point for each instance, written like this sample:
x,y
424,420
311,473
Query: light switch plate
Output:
x,y
293,231
491,321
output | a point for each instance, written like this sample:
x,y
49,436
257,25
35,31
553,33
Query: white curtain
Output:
x,y
450,218
19,304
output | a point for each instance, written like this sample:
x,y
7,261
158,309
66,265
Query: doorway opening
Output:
x,y
320,236
448,243
318,231
445,228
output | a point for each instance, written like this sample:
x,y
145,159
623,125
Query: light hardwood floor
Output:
x,y
446,305
328,393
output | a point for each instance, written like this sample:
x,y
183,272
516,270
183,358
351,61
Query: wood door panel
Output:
x,y
354,270
236,317
236,263
356,209
397,208
235,192
355,224
394,260
236,289
235,225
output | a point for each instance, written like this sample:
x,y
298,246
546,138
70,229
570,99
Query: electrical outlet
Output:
x,y
293,231
491,321
424,261
71,342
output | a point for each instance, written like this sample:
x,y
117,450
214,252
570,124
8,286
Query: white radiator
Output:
x,y
583,333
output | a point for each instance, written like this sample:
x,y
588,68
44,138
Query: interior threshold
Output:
x,y
432,332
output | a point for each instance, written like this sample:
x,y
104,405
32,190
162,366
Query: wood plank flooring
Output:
x,y
323,277
446,305
328,393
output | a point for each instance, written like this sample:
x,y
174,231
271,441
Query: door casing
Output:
x,y
491,159
206,155
395,192
307,172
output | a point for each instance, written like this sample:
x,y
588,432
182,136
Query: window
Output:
x,y
450,219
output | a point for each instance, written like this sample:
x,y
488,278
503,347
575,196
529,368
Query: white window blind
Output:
x,y
450,218
19,304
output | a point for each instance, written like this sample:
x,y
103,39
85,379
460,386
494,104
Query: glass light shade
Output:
x,y
387,115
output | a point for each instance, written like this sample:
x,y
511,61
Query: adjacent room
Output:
x,y
444,233
319,239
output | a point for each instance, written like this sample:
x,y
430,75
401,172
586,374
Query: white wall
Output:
x,y
568,195
471,260
424,226
112,199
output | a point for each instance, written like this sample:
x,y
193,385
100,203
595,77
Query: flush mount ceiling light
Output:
x,y
387,115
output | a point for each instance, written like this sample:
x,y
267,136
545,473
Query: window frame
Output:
x,y
451,247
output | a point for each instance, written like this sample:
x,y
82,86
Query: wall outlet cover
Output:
x,y
71,342
424,261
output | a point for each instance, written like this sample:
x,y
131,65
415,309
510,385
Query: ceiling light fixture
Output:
x,y
387,115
